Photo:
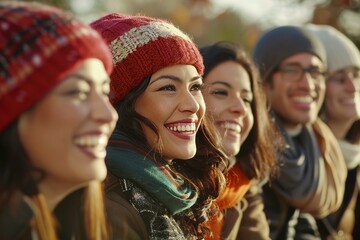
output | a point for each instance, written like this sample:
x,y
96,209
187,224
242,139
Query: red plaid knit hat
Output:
x,y
39,46
141,46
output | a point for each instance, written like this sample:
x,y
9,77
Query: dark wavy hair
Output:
x,y
17,178
204,171
259,153
15,168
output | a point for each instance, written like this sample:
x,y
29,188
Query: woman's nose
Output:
x,y
102,110
238,106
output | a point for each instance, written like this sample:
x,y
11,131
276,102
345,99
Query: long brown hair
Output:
x,y
264,143
204,171
17,176
258,154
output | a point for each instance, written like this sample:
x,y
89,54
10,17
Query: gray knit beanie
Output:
x,y
341,52
279,43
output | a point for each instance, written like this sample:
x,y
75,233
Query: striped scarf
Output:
x,y
125,160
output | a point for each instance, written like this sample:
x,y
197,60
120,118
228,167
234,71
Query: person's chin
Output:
x,y
232,149
186,155
98,173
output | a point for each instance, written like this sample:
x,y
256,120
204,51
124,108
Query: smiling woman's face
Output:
x,y
174,103
228,96
342,102
65,134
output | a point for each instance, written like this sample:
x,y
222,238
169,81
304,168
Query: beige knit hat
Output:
x,y
340,50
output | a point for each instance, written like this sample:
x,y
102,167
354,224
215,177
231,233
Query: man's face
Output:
x,y
297,89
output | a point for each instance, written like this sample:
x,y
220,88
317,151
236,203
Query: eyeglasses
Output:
x,y
294,72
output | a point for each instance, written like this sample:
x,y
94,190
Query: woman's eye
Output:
x,y
197,87
80,94
106,92
220,92
247,100
338,78
167,88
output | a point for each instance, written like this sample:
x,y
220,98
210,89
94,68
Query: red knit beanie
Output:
x,y
141,46
39,46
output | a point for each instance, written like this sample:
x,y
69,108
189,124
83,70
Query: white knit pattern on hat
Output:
x,y
136,37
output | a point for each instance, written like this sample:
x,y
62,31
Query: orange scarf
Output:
x,y
236,187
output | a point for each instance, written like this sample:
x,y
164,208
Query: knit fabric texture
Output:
x,y
141,46
279,43
341,52
39,46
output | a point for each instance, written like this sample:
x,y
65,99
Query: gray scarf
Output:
x,y
301,167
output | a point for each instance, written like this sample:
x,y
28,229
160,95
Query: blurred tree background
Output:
x,y
207,21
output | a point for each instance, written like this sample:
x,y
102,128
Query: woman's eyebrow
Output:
x,y
175,78
221,82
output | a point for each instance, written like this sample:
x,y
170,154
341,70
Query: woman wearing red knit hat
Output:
x,y
55,122
163,158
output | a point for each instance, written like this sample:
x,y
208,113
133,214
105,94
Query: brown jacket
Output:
x,y
135,214
125,221
247,219
347,218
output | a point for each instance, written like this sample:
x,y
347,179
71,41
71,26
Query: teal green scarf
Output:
x,y
124,160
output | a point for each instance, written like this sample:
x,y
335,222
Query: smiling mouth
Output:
x,y
234,127
304,99
93,146
182,130
182,127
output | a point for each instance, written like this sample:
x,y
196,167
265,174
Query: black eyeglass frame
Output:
x,y
314,71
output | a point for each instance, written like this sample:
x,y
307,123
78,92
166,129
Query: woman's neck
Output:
x,y
54,192
339,128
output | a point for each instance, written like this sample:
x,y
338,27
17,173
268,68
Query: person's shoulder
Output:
x,y
15,219
322,128
125,221
116,204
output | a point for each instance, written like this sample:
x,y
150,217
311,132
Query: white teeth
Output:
x,y
91,141
304,99
232,126
183,127
93,144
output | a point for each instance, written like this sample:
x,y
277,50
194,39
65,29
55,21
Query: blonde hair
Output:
x,y
95,221
43,221
45,225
